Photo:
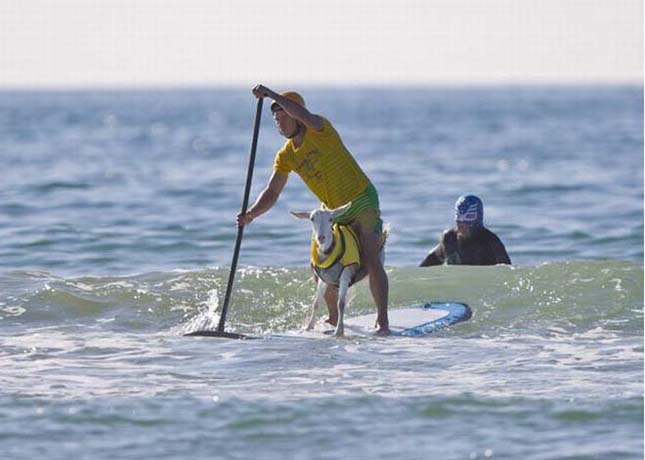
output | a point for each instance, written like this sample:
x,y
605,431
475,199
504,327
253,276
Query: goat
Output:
x,y
335,258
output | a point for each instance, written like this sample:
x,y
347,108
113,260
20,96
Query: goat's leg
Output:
x,y
320,294
343,287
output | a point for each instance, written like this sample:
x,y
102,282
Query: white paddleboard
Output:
x,y
413,321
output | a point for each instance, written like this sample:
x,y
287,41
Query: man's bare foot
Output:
x,y
383,332
332,322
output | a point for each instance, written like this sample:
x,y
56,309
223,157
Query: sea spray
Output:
x,y
207,318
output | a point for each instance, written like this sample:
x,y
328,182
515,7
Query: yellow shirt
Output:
x,y
325,165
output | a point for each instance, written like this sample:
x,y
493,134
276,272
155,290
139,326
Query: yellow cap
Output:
x,y
292,96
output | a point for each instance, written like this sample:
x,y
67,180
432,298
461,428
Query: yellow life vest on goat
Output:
x,y
346,251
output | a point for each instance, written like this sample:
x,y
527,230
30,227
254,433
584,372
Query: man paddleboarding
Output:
x,y
315,151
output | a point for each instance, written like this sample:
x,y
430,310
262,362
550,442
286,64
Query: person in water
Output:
x,y
469,242
315,151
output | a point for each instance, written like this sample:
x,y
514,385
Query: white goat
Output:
x,y
335,259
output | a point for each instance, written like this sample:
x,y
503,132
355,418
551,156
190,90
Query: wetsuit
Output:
x,y
481,248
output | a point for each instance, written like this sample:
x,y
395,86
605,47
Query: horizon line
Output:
x,y
178,86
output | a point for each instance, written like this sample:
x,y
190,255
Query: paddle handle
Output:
x,y
240,229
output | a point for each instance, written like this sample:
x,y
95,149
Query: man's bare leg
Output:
x,y
371,245
331,299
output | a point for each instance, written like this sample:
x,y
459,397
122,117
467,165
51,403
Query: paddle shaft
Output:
x,y
240,229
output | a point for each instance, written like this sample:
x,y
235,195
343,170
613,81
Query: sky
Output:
x,y
178,43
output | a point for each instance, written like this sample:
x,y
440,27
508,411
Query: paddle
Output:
x,y
240,231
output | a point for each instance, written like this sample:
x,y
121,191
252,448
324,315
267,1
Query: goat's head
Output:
x,y
322,222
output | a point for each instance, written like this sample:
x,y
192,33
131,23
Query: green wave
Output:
x,y
551,298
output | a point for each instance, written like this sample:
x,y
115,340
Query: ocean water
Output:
x,y
117,227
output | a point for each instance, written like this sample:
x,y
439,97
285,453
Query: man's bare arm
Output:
x,y
294,110
265,200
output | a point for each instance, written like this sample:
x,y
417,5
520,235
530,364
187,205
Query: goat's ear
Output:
x,y
300,214
340,210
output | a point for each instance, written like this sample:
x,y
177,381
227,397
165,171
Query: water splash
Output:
x,y
208,317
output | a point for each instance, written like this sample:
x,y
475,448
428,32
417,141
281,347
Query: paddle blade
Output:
x,y
220,334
